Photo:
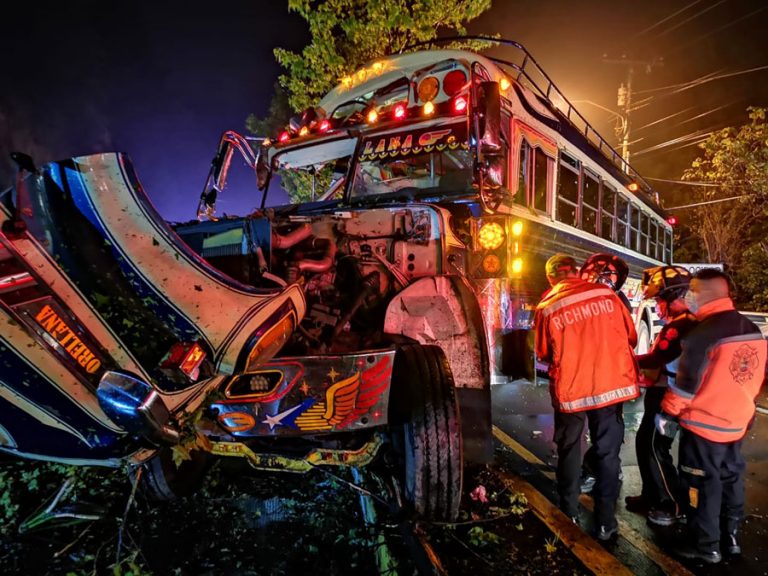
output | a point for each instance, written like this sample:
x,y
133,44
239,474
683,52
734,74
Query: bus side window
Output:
x,y
567,190
634,223
607,211
622,215
590,202
541,179
645,224
656,246
523,173
668,246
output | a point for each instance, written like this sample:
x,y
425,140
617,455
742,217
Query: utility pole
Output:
x,y
624,100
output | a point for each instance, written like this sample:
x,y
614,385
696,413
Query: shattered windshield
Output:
x,y
447,171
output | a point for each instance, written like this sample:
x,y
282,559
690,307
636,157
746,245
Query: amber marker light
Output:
x,y
504,84
490,236
303,131
491,264
372,116
428,109
633,187
517,265
517,228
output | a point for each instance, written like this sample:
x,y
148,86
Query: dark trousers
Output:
x,y
713,475
654,457
606,430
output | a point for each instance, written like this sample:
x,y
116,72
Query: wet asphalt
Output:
x,y
523,410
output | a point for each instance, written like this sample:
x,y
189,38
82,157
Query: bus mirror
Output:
x,y
262,169
488,118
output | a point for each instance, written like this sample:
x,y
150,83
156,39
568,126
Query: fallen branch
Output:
x,y
128,504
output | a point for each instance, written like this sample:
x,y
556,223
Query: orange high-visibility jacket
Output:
x,y
719,376
586,334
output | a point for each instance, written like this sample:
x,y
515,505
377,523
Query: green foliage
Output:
x,y
349,33
480,537
751,278
736,159
345,35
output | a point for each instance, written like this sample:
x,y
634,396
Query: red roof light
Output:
x,y
284,136
399,112
453,82
324,126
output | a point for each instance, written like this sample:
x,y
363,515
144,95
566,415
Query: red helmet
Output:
x,y
605,269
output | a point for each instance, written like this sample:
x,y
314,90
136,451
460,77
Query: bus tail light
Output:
x,y
399,111
184,357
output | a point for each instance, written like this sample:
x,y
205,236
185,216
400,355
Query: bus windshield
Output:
x,y
448,171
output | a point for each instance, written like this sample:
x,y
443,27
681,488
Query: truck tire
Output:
x,y
643,338
432,458
162,480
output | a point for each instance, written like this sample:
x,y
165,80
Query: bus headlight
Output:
x,y
490,236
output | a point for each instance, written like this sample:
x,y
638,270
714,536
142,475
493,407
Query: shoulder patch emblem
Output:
x,y
743,363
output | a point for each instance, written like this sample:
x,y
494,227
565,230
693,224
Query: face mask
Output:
x,y
690,302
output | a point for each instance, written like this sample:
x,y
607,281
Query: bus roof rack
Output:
x,y
529,73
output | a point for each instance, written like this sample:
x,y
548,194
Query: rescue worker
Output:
x,y
660,490
586,336
612,271
719,375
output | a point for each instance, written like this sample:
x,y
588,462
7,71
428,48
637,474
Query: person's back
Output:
x,y
587,334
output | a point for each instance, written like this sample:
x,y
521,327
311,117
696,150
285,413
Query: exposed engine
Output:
x,y
349,265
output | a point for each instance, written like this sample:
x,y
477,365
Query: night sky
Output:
x,y
162,80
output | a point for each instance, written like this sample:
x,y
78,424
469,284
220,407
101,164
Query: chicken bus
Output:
x,y
436,184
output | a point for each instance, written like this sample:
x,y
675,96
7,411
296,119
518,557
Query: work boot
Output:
x,y
693,553
605,533
733,544
636,504
662,517
587,483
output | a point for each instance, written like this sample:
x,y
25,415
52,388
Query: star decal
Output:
x,y
304,387
288,415
333,374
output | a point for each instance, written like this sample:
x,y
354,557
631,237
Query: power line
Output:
x,y
699,13
686,182
716,30
660,22
664,119
708,202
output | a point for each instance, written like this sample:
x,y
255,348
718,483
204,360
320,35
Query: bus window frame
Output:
x,y
522,132
575,170
586,172
612,214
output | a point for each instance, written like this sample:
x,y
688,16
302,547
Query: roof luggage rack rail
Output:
x,y
528,71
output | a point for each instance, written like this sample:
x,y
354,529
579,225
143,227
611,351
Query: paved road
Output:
x,y
523,411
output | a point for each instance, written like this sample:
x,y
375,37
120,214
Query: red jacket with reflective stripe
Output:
x,y
721,371
586,334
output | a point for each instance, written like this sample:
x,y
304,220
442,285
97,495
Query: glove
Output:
x,y
666,425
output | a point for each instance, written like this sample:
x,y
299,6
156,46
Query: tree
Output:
x,y
736,159
345,35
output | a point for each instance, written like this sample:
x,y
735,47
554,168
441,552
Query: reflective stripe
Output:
x,y
757,336
710,426
554,307
679,392
600,399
